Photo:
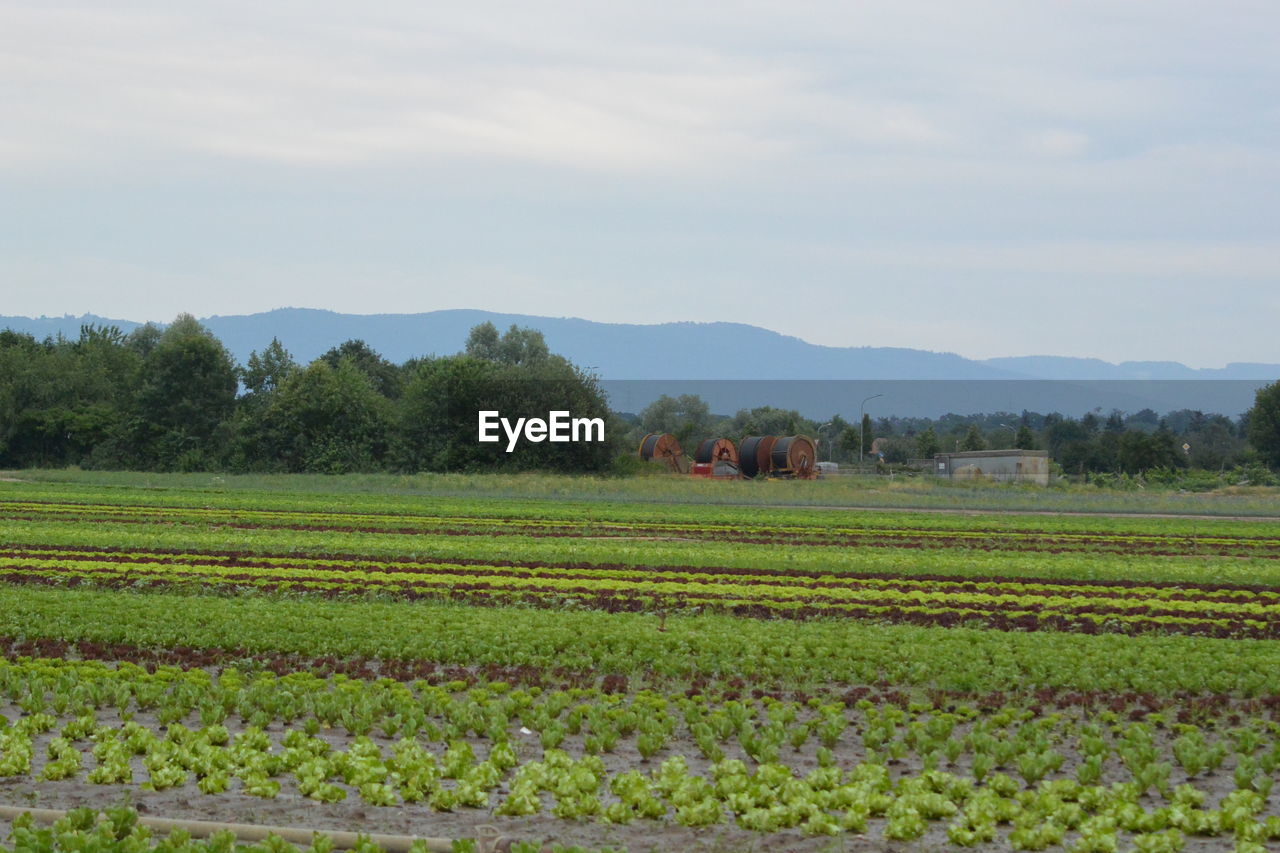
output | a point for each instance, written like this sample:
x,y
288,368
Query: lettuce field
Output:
x,y
634,675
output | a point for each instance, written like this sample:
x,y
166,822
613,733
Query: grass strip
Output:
x,y
921,492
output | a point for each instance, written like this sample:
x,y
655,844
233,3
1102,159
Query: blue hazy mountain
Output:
x,y
733,366
614,350
662,351
1060,367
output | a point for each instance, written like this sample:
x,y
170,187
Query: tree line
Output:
x,y
173,399
1114,443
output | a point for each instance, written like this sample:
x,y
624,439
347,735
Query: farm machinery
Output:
x,y
790,457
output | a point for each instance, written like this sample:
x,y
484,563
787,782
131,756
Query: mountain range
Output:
x,y
674,351
733,365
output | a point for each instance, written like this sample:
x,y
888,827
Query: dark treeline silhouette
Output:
x,y
173,399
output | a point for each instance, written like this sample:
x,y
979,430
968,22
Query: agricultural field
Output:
x,y
635,674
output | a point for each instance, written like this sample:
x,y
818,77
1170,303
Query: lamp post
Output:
x,y
829,449
861,415
1010,429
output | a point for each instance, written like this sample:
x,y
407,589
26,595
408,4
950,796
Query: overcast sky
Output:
x,y
988,178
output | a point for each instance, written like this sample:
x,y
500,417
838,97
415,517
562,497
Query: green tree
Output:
x,y
264,374
973,439
21,380
1169,448
866,434
1146,420
1140,451
438,412
255,447
687,417
515,376
143,339
927,445
1214,445
1069,443
517,346
65,402
101,386
1024,439
768,420
483,342
187,393
382,374
533,389
1263,421
1107,450
328,420
524,347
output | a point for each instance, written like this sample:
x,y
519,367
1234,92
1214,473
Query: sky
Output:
x,y
1097,179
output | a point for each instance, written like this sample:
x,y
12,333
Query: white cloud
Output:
x,y
316,85
573,154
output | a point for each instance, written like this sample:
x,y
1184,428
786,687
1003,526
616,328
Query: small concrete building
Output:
x,y
1002,466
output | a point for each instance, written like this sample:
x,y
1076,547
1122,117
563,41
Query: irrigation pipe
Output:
x,y
489,842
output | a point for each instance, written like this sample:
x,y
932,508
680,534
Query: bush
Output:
x,y
1252,474
631,465
1120,482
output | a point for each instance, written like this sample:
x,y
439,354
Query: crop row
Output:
x,y
652,649
1030,780
999,604
119,829
837,533
1184,707
557,508
905,582
1200,572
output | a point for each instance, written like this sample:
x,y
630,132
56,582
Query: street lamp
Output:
x,y
829,448
861,416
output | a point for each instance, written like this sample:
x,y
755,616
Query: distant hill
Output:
x,y
615,350
662,351
703,357
1060,367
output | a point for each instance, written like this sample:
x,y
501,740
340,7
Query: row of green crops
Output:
x,y
656,649
119,830
1003,604
377,509
1033,780
975,538
708,553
